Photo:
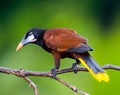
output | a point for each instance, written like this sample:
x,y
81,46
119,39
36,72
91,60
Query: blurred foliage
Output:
x,y
97,20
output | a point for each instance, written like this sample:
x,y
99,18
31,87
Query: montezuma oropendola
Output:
x,y
62,43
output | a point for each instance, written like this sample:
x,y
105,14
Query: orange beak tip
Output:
x,y
19,46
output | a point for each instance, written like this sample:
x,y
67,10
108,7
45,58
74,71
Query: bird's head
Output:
x,y
34,35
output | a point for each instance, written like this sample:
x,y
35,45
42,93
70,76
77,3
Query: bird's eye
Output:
x,y
30,34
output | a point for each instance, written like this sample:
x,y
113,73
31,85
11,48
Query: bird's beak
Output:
x,y
20,45
25,41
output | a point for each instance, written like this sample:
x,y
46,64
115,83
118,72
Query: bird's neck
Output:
x,y
43,45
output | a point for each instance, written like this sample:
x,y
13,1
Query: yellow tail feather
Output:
x,y
100,76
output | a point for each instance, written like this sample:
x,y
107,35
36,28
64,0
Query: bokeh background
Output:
x,y
97,20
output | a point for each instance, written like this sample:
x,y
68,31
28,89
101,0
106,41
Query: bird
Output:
x,y
65,43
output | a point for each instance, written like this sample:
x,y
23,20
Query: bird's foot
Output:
x,y
74,66
53,71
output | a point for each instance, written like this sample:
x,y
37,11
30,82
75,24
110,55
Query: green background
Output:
x,y
97,20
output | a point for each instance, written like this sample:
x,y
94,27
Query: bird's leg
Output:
x,y
53,70
56,56
74,66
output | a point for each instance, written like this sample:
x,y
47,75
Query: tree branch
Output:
x,y
24,74
71,86
32,84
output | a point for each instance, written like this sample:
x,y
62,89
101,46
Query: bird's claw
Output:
x,y
53,71
74,67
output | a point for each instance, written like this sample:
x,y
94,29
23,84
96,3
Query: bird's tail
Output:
x,y
96,71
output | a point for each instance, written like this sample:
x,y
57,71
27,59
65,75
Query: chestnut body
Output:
x,y
62,43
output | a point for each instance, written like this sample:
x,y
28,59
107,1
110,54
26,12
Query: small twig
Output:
x,y
32,84
109,66
71,86
24,74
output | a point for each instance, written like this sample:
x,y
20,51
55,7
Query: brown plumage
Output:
x,y
62,43
62,39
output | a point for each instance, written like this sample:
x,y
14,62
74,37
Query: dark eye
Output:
x,y
30,33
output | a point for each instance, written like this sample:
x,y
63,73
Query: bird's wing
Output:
x,y
83,48
63,39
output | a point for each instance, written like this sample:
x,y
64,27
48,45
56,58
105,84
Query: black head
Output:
x,y
34,35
